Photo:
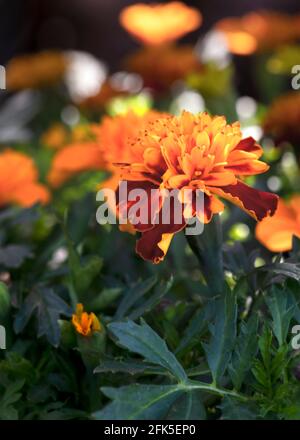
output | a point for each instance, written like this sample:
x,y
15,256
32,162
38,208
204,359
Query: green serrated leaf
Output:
x,y
135,293
233,409
10,396
196,326
159,292
129,367
143,340
138,402
282,310
208,249
48,307
265,346
189,406
245,351
288,270
223,335
82,273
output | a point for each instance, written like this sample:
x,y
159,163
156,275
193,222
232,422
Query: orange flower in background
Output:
x,y
109,145
258,31
58,135
161,66
55,137
85,323
160,23
282,120
74,159
276,233
33,71
19,180
195,152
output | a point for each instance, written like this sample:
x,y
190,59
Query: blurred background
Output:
x,y
93,25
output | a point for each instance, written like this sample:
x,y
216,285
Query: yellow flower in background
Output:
x,y
158,24
19,180
282,120
82,132
55,137
33,71
259,31
276,233
58,135
161,66
284,59
85,323
211,80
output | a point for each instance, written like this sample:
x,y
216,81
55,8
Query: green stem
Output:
x,y
207,247
73,295
210,388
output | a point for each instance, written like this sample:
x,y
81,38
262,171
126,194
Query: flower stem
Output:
x,y
208,249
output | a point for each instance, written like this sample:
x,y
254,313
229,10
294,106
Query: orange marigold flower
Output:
x,y
193,152
258,31
114,134
37,70
276,233
73,159
161,66
19,180
85,323
160,23
55,137
282,120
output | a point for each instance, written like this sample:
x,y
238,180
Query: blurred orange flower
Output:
x,y
73,159
109,145
19,180
160,23
195,152
33,71
161,66
282,120
85,323
276,233
258,31
55,137
58,135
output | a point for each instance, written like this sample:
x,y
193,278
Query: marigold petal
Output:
x,y
30,194
276,233
73,159
258,204
153,244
